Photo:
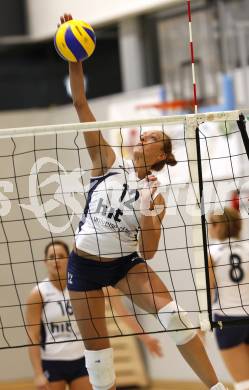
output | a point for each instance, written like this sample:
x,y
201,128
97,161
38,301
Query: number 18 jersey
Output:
x,y
58,326
231,269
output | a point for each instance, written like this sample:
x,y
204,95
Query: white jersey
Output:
x,y
110,223
231,268
58,325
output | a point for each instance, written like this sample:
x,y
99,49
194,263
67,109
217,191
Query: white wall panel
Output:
x,y
43,15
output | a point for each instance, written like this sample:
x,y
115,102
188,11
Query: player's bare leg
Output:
x,y
89,310
147,290
237,362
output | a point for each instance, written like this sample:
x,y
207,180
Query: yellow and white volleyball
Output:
x,y
75,40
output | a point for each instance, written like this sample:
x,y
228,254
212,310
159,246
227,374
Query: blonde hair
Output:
x,y
230,223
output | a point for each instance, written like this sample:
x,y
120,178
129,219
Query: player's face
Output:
x,y
56,262
150,149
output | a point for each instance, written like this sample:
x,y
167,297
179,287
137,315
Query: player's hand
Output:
x,y
41,382
152,183
65,18
148,187
152,345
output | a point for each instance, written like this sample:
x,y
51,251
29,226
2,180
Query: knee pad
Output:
x,y
244,385
173,317
218,386
100,368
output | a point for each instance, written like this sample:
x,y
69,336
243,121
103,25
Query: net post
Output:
x,y
242,128
205,325
197,223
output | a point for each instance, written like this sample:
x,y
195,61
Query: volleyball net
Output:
x,y
44,184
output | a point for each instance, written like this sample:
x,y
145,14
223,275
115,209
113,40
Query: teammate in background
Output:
x,y
229,276
50,320
106,245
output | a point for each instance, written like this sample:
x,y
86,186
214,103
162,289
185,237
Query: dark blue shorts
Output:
x,y
232,336
85,275
64,370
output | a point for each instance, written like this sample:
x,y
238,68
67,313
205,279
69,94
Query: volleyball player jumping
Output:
x,y
113,227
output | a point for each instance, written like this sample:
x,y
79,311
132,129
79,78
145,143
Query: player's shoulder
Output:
x,y
41,290
215,249
121,163
244,245
35,296
239,244
123,168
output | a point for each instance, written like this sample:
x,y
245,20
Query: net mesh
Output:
x,y
44,181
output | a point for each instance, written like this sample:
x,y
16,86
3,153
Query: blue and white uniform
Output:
x,y
58,325
62,358
109,228
231,268
110,222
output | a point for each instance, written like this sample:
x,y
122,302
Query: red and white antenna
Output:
x,y
191,46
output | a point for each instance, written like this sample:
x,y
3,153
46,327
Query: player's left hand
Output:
x,y
152,345
148,187
152,183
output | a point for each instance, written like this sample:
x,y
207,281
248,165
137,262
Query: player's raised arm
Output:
x,y
101,153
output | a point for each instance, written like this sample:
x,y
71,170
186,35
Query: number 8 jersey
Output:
x,y
58,325
231,268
